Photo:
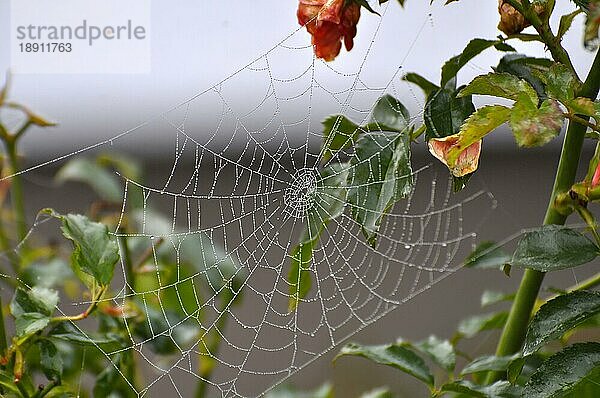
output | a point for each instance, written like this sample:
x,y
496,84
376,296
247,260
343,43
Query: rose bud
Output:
x,y
467,161
329,22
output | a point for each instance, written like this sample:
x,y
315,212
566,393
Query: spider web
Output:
x,y
242,209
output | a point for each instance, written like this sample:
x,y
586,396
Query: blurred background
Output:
x,y
196,45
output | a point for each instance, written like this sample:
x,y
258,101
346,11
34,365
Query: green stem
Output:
x,y
3,342
587,284
213,348
543,28
129,272
514,331
16,189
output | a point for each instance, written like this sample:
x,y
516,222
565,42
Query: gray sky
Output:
x,y
196,44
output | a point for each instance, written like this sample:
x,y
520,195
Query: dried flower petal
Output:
x,y
466,163
329,22
511,20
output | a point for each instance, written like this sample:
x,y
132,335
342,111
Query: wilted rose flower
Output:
x,y
467,161
511,20
329,22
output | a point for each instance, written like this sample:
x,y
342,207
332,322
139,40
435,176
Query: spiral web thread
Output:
x,y
240,212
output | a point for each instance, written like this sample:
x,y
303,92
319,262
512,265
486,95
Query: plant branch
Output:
x,y
545,32
582,121
586,284
17,188
514,331
3,342
93,305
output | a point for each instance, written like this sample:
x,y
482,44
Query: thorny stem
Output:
x,y
514,331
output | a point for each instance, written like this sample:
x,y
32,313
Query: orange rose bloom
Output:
x,y
329,22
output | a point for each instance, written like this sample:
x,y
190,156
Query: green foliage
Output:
x,y
424,84
523,67
503,85
454,64
325,391
339,133
50,359
488,363
565,372
395,355
487,254
86,171
533,126
440,351
32,309
473,325
559,315
501,389
380,175
95,251
329,202
552,248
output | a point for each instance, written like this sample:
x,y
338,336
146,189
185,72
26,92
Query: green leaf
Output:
x,y
440,351
51,274
95,252
488,363
533,126
36,300
30,323
560,82
553,247
66,331
394,355
503,46
490,297
390,115
339,133
103,182
111,381
366,5
592,24
522,67
299,277
50,359
500,389
7,382
501,85
454,64
325,391
565,372
424,84
477,126
380,175
444,113
5,89
565,23
487,255
473,325
329,201
378,393
559,315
